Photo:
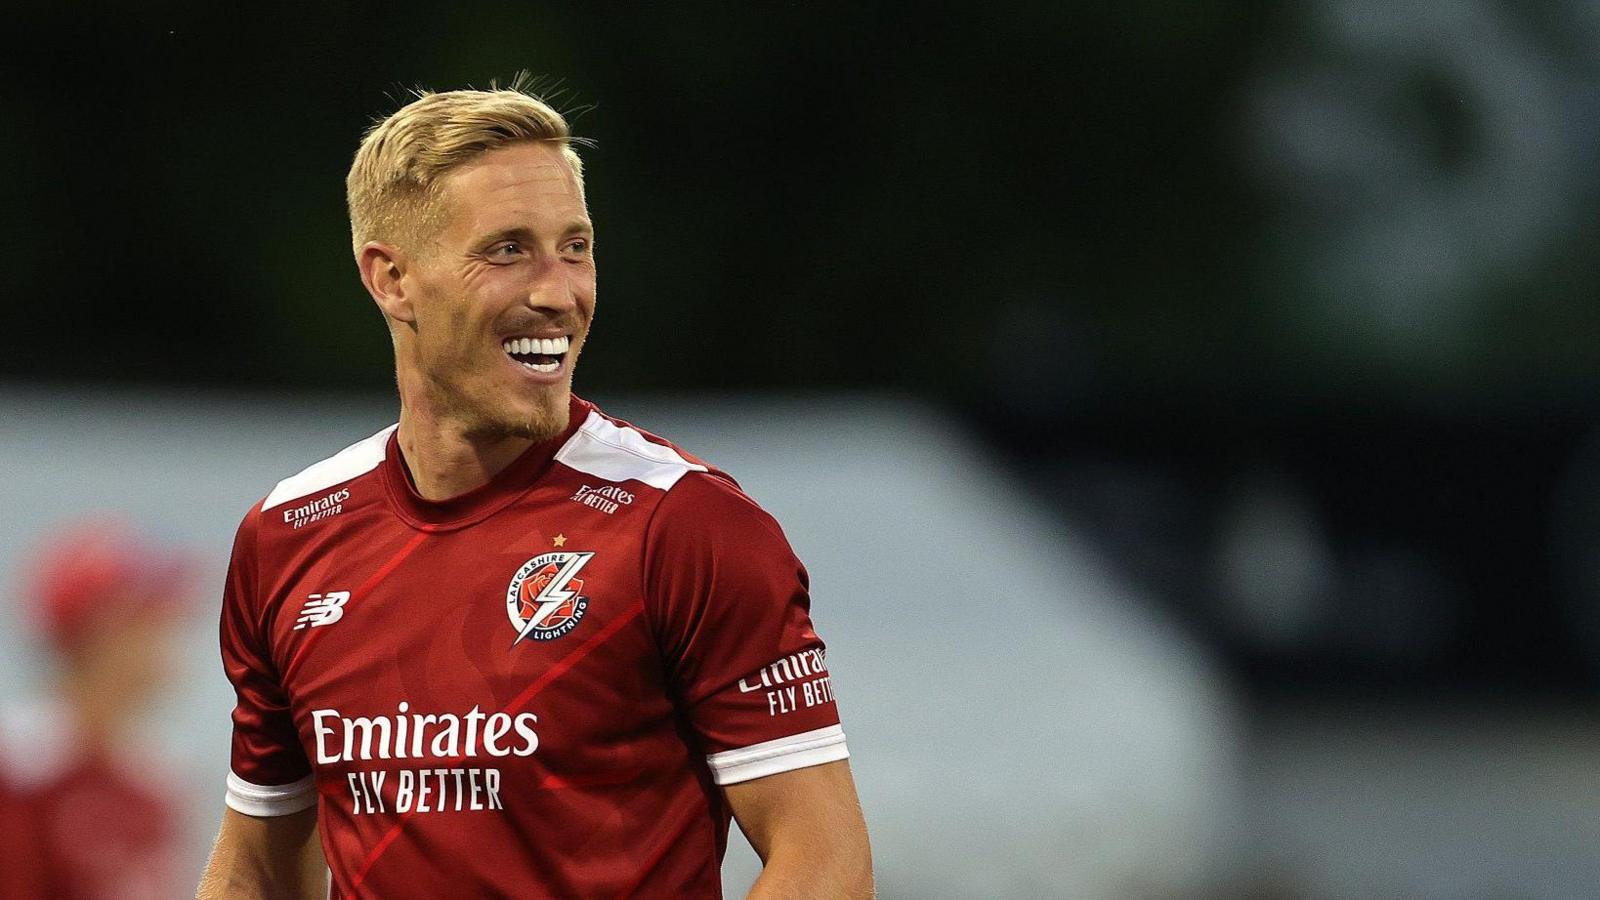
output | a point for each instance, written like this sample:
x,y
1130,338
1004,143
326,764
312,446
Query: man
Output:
x,y
513,646
81,816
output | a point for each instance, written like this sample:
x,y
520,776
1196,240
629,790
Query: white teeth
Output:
x,y
543,367
543,346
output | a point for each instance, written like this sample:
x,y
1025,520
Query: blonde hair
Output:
x,y
393,186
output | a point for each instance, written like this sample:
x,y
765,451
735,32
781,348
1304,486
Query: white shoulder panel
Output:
x,y
604,450
357,459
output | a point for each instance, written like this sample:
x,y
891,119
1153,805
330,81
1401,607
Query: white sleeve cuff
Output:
x,y
270,799
797,751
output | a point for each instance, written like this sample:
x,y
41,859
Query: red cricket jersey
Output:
x,y
529,690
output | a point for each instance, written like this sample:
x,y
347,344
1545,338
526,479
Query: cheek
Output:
x,y
457,324
494,295
440,337
583,290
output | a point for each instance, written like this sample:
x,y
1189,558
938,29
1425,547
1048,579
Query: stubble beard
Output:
x,y
489,418
549,418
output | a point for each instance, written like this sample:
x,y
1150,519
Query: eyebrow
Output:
x,y
524,233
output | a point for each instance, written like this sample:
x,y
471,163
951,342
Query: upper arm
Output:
x,y
810,816
266,856
733,617
732,612
268,845
269,773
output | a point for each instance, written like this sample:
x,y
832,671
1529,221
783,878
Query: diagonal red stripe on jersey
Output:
x,y
355,595
598,779
532,690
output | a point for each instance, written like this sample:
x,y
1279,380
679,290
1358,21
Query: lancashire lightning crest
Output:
x,y
545,599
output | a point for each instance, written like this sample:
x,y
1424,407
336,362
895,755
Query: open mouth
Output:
x,y
537,354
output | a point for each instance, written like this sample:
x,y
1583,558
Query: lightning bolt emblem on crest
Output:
x,y
553,594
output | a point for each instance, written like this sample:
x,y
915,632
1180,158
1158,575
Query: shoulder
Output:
x,y
348,464
37,746
693,499
319,490
613,450
709,504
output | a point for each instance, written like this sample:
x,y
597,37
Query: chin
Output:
x,y
540,420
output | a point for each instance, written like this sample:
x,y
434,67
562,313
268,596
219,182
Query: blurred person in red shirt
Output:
x,y
81,816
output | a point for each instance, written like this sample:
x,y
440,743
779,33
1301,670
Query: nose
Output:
x,y
550,290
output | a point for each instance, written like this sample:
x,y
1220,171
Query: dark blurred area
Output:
x,y
1282,301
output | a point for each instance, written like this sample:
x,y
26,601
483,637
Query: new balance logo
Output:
x,y
322,609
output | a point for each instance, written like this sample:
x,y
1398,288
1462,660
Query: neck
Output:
x,y
445,460
101,714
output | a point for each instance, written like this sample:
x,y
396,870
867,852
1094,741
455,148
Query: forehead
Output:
x,y
524,184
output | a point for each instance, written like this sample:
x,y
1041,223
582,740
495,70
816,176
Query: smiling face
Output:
x,y
499,302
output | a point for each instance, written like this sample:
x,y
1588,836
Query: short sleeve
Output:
x,y
269,774
733,617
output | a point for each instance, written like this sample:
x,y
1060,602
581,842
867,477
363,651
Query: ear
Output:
x,y
383,269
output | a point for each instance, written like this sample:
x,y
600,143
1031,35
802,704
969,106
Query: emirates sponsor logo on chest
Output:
x,y
321,508
441,742
545,599
607,499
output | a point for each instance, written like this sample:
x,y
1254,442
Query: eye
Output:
x,y
578,245
505,251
